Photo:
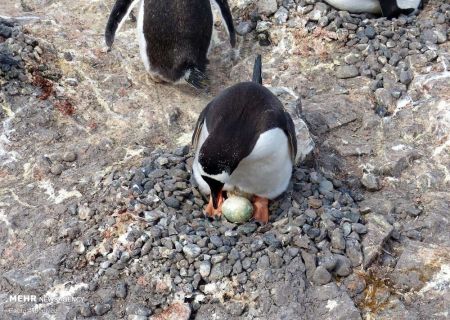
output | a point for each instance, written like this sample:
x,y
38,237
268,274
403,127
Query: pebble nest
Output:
x,y
159,233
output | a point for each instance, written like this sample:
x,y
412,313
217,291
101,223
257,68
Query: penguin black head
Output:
x,y
216,189
217,163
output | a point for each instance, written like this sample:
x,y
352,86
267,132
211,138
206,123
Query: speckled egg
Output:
x,y
237,209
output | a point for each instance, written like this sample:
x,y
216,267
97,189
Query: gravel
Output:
x,y
183,251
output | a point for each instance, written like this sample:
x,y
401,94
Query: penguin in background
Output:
x,y
387,8
174,36
244,141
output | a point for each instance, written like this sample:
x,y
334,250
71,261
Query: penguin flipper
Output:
x,y
226,14
119,13
198,128
257,70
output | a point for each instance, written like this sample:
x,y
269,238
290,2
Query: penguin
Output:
x,y
244,142
387,8
174,36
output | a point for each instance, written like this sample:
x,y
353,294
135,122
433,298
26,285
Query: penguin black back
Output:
x,y
178,34
236,118
174,35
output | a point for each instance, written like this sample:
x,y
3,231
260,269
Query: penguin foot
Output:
x,y
210,211
196,78
261,209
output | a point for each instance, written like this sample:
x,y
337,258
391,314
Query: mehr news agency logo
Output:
x,y
27,298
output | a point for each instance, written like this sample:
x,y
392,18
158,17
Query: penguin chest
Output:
x,y
266,171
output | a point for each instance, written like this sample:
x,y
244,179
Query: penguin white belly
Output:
x,y
141,37
358,6
267,170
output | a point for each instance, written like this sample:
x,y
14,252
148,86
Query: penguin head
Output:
x,y
216,174
216,166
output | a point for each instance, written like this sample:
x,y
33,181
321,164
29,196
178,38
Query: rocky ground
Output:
x,y
98,214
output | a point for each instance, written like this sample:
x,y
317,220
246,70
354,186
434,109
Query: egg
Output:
x,y
237,209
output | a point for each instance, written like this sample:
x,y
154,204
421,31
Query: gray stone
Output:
x,y
267,7
343,266
192,250
172,202
337,239
101,309
121,290
70,156
346,72
138,310
321,276
281,16
5,31
219,271
216,241
244,27
378,231
353,252
310,263
329,262
406,76
263,26
205,269
371,182
325,186
359,228
384,98
85,311
370,32
56,169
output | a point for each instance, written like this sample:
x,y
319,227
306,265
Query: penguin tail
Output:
x,y
117,17
196,78
257,70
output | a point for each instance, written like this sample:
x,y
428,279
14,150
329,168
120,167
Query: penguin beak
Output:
x,y
216,190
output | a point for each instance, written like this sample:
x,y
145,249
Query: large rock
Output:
x,y
330,302
293,105
423,267
328,112
378,231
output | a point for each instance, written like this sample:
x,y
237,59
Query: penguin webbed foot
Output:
x,y
261,209
214,213
196,78
109,39
233,39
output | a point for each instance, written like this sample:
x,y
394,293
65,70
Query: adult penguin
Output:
x,y
387,8
244,141
174,36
